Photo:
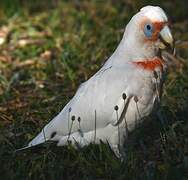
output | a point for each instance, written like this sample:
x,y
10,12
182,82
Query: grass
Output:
x,y
48,50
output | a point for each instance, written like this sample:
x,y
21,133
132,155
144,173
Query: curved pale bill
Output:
x,y
166,38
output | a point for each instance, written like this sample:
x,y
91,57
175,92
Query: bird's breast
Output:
x,y
146,94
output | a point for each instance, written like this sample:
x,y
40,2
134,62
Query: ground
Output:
x,y
46,51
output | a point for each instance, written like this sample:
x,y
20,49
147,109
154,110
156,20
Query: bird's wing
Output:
x,y
101,93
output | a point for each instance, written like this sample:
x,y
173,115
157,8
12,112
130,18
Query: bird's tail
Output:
x,y
37,141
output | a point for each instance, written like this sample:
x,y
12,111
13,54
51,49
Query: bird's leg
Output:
x,y
116,151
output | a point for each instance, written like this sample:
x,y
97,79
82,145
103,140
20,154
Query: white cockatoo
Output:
x,y
124,91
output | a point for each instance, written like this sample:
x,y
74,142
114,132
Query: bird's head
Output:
x,y
148,32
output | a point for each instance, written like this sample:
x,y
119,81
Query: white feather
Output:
x,y
95,99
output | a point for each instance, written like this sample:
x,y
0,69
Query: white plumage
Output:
x,y
121,93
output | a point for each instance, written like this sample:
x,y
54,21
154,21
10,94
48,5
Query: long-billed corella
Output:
x,y
125,90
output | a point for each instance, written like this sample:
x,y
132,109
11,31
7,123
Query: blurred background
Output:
x,y
47,48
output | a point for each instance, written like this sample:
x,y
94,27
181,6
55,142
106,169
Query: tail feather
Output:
x,y
37,141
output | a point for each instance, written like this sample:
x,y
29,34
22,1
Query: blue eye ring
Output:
x,y
148,30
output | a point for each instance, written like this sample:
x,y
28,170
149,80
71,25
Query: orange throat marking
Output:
x,y
150,64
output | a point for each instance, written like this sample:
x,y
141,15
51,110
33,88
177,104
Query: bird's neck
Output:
x,y
145,57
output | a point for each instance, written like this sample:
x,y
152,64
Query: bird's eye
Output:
x,y
148,26
148,30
